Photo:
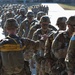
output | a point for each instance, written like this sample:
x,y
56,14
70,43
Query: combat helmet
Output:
x,y
61,20
40,14
21,9
30,14
11,23
45,18
71,20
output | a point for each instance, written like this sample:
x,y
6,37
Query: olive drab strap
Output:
x,y
11,47
12,39
16,42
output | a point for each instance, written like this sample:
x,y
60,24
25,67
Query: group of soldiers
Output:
x,y
37,8
31,40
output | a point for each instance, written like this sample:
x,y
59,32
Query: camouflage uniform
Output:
x,y
70,51
12,48
70,60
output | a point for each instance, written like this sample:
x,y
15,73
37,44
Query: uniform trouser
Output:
x,y
40,69
25,71
21,73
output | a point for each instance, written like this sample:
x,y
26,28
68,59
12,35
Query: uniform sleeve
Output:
x,y
70,58
48,48
31,31
48,44
31,44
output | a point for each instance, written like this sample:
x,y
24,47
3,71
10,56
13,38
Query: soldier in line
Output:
x,y
70,57
41,34
26,24
12,48
60,45
43,8
22,15
61,23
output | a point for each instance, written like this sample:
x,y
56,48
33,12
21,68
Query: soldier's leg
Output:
x,y
27,68
37,69
4,73
42,67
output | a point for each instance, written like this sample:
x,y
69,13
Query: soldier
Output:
x,y
61,23
22,16
41,34
61,43
12,48
70,60
26,24
9,14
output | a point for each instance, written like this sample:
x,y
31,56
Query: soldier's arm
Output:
x,y
31,31
30,44
48,44
70,58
